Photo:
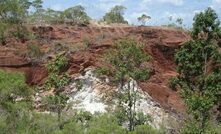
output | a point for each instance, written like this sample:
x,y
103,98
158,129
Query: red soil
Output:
x,y
159,42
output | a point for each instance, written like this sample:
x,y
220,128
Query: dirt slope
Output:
x,y
85,46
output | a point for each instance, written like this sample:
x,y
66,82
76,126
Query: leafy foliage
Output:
x,y
143,19
17,117
144,129
13,13
105,124
14,102
59,64
12,85
57,81
206,23
173,81
34,52
77,15
3,29
198,63
126,60
179,21
115,15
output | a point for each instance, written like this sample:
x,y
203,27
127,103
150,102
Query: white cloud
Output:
x,y
216,5
106,5
132,18
175,15
218,1
173,2
197,11
112,1
144,4
57,7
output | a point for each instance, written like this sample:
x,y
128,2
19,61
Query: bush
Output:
x,y
145,129
3,28
58,65
34,52
14,102
86,43
115,15
12,83
77,15
126,59
41,123
71,128
173,81
105,124
142,119
21,33
102,71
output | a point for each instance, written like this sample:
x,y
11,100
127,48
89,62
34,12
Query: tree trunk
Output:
x,y
130,108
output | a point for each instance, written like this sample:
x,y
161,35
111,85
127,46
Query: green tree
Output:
x,y
179,21
14,11
15,102
198,64
126,60
3,29
34,53
143,19
53,17
13,14
77,15
206,23
37,4
115,15
57,80
38,15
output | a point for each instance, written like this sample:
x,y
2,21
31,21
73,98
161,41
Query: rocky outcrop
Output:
x,y
86,46
89,93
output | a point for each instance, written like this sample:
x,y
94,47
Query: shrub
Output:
x,y
173,81
200,84
21,33
145,129
83,117
142,119
105,124
102,71
34,52
115,15
126,60
12,83
59,64
77,15
57,80
86,42
3,28
79,85
15,96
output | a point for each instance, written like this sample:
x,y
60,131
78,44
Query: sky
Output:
x,y
159,10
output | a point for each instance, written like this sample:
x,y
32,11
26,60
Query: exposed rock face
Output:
x,y
93,94
86,46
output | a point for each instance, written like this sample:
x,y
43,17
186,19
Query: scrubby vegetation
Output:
x,y
126,60
115,15
143,19
198,63
125,63
17,115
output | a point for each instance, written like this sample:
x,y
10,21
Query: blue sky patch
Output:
x,y
159,10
